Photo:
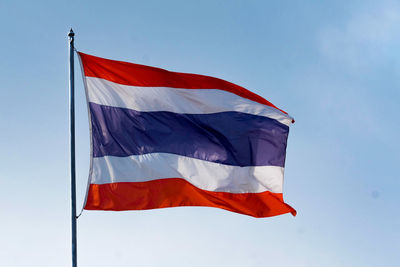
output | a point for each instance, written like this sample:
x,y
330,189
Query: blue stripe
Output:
x,y
231,138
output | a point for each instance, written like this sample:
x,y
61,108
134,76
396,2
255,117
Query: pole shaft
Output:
x,y
72,145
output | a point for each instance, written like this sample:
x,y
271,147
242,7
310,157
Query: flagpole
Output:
x,y
71,35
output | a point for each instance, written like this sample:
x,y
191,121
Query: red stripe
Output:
x,y
174,192
140,75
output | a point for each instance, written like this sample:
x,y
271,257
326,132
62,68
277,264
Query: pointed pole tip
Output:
x,y
71,33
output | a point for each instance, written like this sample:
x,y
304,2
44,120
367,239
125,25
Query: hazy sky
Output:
x,y
333,65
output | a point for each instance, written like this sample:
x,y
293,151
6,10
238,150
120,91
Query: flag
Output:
x,y
166,139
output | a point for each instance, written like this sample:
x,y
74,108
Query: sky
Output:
x,y
332,65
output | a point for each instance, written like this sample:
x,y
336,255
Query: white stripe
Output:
x,y
202,174
189,101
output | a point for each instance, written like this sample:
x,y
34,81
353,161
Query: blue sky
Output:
x,y
333,65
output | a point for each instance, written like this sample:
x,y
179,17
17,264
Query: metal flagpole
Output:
x,y
71,35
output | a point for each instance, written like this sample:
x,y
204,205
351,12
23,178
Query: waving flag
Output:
x,y
166,139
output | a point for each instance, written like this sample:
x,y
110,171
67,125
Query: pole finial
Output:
x,y
71,33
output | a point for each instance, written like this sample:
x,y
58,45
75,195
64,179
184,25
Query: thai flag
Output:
x,y
165,139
